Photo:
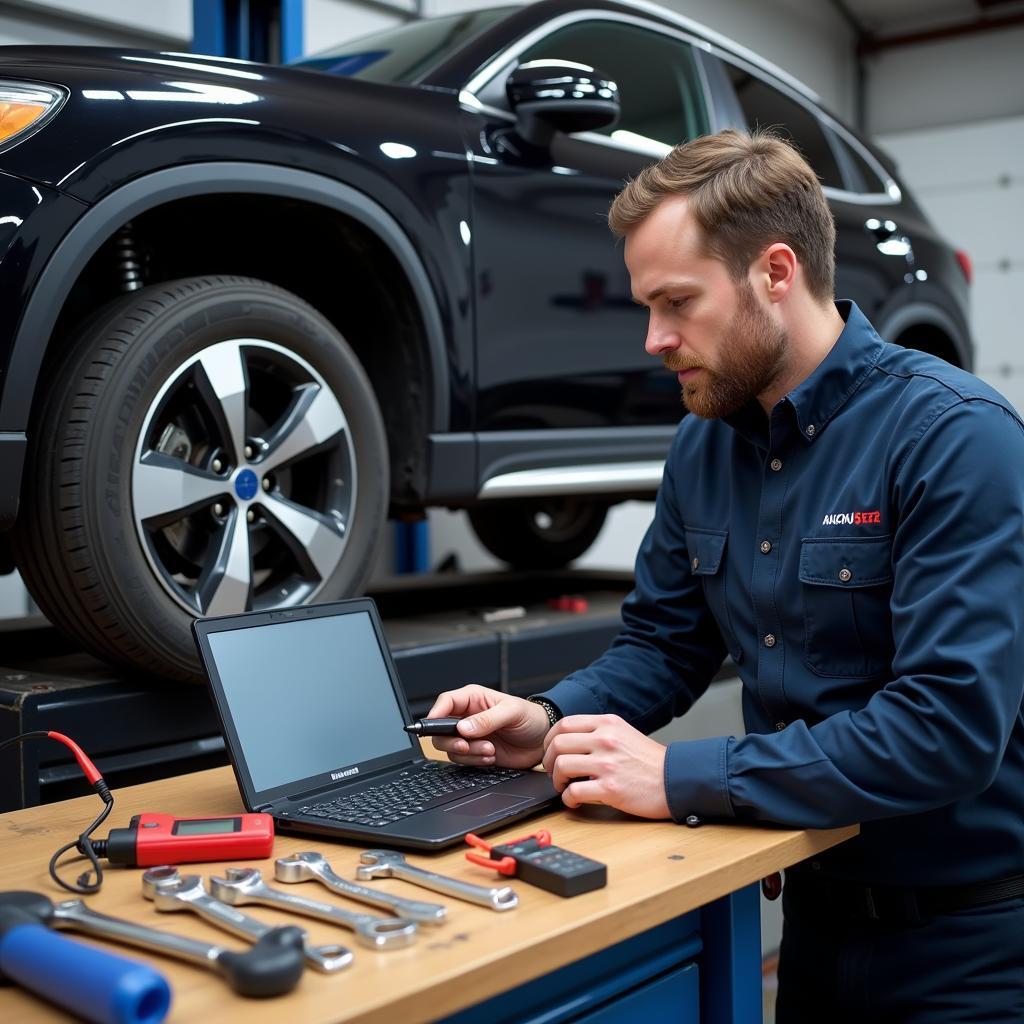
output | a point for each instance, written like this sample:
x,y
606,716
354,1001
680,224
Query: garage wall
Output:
x,y
970,180
164,25
952,114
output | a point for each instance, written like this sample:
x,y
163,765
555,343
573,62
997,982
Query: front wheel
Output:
x,y
208,446
543,533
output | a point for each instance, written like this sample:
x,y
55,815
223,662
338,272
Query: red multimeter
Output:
x,y
152,839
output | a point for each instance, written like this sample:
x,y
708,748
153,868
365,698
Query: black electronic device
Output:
x,y
534,860
314,720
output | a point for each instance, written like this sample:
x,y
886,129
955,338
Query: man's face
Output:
x,y
711,330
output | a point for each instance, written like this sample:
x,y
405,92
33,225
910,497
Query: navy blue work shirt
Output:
x,y
860,555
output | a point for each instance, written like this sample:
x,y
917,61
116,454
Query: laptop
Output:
x,y
313,715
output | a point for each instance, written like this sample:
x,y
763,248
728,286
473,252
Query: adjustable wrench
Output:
x,y
272,967
300,867
391,864
244,885
169,890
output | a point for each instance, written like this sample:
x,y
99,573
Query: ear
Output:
x,y
775,270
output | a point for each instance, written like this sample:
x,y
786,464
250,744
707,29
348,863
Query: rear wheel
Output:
x,y
210,445
543,533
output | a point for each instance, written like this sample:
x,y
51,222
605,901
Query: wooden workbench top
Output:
x,y
656,871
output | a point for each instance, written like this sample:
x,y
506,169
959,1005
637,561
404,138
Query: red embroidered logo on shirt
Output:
x,y
852,518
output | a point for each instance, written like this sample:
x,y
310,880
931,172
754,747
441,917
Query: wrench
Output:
x,y
245,885
300,867
272,967
170,890
391,864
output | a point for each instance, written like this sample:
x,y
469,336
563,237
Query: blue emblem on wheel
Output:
x,y
246,484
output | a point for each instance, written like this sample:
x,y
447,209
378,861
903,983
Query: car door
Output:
x,y
559,340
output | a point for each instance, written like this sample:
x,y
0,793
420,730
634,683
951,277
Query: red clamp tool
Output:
x,y
537,862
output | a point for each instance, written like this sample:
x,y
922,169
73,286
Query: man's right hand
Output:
x,y
496,728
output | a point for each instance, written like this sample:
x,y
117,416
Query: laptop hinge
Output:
x,y
263,809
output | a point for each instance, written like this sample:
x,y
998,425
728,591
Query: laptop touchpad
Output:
x,y
483,806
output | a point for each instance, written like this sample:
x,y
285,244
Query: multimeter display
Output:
x,y
206,826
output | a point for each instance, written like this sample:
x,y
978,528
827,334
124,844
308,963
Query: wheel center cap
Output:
x,y
246,485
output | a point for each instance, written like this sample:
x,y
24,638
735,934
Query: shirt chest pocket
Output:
x,y
846,585
706,549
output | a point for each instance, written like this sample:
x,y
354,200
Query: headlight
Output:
x,y
24,108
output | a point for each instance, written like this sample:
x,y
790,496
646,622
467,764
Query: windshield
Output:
x,y
404,54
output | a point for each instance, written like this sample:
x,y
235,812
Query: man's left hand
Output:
x,y
600,759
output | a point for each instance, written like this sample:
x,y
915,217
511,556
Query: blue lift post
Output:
x,y
268,31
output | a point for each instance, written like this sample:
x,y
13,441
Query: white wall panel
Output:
x,y
970,181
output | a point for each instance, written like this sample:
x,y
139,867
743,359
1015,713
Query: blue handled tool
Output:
x,y
91,983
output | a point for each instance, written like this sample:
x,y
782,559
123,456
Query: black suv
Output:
x,y
251,311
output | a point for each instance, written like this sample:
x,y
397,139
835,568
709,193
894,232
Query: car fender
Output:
x,y
143,193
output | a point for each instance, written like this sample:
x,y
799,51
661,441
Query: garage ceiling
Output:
x,y
887,20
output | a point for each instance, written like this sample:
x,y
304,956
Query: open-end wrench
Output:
x,y
245,885
272,967
169,890
301,867
391,864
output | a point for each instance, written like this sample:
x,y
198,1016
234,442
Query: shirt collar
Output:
x,y
821,395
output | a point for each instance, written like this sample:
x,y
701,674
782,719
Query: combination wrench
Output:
x,y
245,885
170,890
306,866
391,864
272,967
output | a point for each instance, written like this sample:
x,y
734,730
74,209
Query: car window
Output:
x,y
405,53
863,177
767,107
659,89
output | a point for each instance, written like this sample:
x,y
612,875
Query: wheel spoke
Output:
x,y
224,385
226,583
314,419
165,489
316,540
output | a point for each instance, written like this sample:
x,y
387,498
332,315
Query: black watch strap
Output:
x,y
552,711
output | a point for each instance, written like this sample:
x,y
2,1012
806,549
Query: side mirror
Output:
x,y
551,96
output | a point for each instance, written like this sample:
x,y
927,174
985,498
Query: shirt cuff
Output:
x,y
572,699
696,778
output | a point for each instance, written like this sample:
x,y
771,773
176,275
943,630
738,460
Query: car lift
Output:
x,y
444,631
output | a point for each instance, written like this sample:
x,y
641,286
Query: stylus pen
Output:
x,y
434,727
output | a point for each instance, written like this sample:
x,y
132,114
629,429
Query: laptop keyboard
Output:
x,y
414,790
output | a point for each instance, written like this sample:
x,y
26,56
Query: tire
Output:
x,y
544,533
206,446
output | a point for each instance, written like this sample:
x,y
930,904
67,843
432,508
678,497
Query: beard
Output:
x,y
752,356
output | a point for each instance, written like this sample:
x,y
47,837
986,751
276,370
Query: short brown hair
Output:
x,y
746,191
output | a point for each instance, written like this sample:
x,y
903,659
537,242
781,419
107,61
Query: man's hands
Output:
x,y
600,759
497,728
592,759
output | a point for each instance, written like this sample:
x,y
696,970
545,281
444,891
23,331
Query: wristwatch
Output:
x,y
552,712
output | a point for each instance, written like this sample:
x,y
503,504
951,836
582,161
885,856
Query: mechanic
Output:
x,y
845,518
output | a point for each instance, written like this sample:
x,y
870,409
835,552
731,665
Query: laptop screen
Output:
x,y
308,696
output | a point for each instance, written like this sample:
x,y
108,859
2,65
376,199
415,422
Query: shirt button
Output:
x,y
779,726
776,464
696,563
769,640
766,546
810,429
845,575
